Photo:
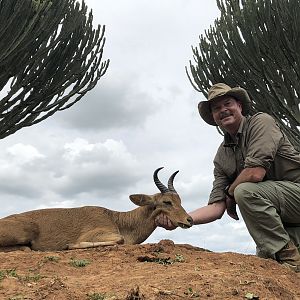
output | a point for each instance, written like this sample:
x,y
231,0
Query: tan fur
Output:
x,y
90,226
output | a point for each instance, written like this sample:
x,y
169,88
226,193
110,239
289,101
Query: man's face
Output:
x,y
227,113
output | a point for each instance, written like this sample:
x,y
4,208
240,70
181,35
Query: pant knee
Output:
x,y
243,192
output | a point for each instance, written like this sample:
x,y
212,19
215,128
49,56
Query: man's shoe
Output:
x,y
289,257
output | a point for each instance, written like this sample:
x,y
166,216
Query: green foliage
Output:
x,y
2,275
32,277
79,263
13,273
96,296
101,296
179,258
51,258
163,260
251,296
18,297
8,273
50,57
255,44
191,293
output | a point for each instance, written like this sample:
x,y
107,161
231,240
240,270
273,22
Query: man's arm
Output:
x,y
264,139
202,215
255,174
208,213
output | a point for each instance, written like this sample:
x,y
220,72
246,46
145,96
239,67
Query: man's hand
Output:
x,y
231,208
163,221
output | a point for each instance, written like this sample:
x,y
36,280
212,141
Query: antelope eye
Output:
x,y
167,202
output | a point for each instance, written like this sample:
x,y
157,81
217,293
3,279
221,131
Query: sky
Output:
x,y
142,115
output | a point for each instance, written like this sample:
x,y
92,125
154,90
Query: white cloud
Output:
x,y
22,154
104,167
113,104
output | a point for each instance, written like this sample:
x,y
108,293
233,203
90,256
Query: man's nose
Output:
x,y
223,108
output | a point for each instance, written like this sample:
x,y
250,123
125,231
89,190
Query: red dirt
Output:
x,y
150,271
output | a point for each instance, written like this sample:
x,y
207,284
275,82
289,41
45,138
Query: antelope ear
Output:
x,y
141,199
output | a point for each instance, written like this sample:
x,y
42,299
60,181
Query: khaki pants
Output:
x,y
265,207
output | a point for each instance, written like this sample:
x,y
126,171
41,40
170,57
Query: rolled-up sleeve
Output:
x,y
264,138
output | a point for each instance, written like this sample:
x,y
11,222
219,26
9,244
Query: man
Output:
x,y
256,168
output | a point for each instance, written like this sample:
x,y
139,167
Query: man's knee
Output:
x,y
244,191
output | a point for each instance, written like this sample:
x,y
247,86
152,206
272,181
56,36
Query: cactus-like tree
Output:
x,y
50,57
255,44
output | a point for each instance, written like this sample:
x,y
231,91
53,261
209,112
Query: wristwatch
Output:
x,y
226,191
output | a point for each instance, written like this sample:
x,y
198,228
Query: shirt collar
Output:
x,y
232,142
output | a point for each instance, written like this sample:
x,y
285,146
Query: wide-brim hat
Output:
x,y
220,89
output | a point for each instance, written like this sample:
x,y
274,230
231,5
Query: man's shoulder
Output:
x,y
260,118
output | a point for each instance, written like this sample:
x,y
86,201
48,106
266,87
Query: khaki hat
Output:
x,y
220,89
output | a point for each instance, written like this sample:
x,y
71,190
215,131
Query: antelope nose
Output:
x,y
190,220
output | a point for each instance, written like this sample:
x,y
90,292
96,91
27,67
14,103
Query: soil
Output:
x,y
159,271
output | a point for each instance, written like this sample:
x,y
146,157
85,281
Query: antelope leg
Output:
x,y
83,245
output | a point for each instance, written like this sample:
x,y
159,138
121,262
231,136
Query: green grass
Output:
x,y
2,275
18,297
79,263
13,273
32,277
51,258
179,258
191,293
96,296
8,273
164,261
100,296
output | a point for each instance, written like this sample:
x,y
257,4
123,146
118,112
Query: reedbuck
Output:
x,y
92,226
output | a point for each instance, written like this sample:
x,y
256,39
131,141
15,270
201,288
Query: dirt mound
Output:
x,y
149,271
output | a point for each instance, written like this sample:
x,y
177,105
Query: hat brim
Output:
x,y
238,93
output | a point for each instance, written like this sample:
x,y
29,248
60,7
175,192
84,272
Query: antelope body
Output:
x,y
92,226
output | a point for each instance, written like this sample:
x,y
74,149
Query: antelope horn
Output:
x,y
170,182
163,189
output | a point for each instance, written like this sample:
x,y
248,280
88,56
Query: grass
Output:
x,y
100,296
96,296
13,273
32,278
164,261
18,297
191,293
179,258
79,263
2,275
8,273
51,258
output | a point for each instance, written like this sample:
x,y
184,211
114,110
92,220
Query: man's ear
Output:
x,y
141,199
240,105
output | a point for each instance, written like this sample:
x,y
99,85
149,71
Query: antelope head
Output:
x,y
166,202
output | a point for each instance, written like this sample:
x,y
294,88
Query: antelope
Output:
x,y
55,229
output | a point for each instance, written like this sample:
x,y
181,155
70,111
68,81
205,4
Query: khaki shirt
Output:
x,y
258,143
